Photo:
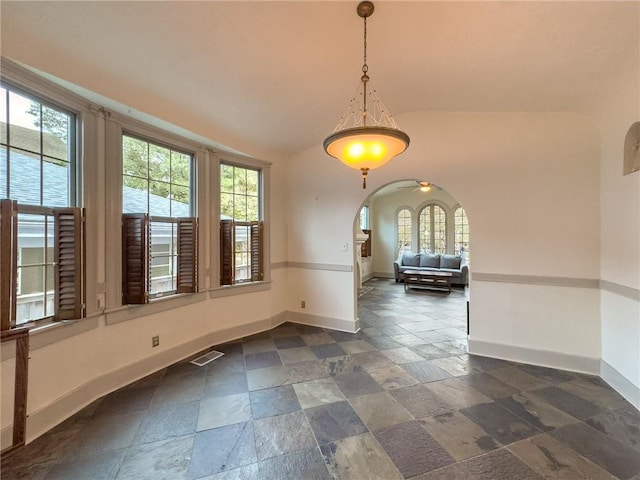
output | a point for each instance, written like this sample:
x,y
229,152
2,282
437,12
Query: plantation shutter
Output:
x,y
226,252
68,256
8,262
257,268
135,258
188,255
365,249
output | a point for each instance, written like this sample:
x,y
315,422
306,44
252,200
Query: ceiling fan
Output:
x,y
423,186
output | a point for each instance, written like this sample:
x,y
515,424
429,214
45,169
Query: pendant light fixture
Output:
x,y
366,136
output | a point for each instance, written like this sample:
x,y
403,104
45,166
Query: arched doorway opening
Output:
x,y
404,222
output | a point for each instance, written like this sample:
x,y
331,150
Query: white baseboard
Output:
x,y
45,418
323,322
543,358
620,384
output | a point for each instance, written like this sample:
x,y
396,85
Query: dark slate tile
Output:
x,y
412,449
344,336
623,425
273,401
105,433
170,421
262,360
27,471
230,349
182,371
425,371
103,466
392,330
356,384
550,375
500,464
489,385
221,385
538,413
568,402
225,365
334,421
451,472
429,351
289,342
306,464
221,449
126,400
485,363
420,401
618,459
163,460
359,457
327,350
372,360
340,365
383,342
499,422
282,434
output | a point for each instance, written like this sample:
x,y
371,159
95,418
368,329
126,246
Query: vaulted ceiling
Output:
x,y
276,76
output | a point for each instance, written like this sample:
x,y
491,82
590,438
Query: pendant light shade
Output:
x,y
366,136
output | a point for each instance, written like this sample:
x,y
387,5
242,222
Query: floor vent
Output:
x,y
206,358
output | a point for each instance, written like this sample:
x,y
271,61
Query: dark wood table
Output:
x,y
427,279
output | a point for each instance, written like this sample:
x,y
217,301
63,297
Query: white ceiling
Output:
x,y
276,76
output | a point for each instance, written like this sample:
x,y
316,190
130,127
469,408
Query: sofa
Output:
x,y
454,264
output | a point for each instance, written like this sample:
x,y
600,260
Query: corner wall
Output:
x,y
529,183
620,233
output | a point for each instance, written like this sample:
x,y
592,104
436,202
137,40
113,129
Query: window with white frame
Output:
x,y
432,226
461,241
403,226
157,214
364,218
241,224
42,268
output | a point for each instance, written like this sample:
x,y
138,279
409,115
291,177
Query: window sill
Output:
x,y
240,289
156,305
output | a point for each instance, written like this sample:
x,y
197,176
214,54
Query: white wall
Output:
x,y
620,233
530,186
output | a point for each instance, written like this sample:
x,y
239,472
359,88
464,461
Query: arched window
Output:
x,y
433,229
461,240
404,230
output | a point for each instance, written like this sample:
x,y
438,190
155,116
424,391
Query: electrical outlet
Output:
x,y
303,304
155,341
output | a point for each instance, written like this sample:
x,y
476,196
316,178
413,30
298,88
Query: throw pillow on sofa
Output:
x,y
430,260
411,259
450,261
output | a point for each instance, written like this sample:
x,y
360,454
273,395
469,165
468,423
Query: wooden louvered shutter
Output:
x,y
257,268
135,258
8,262
226,252
68,254
188,255
365,249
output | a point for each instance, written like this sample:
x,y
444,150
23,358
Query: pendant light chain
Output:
x,y
365,77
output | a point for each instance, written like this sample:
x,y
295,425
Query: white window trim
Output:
x,y
265,209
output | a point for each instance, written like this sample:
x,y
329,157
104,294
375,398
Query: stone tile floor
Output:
x,y
399,399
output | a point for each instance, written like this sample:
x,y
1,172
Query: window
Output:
x,y
241,226
159,229
365,248
404,230
433,229
364,218
461,232
43,262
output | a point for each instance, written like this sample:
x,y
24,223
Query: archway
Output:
x,y
405,219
